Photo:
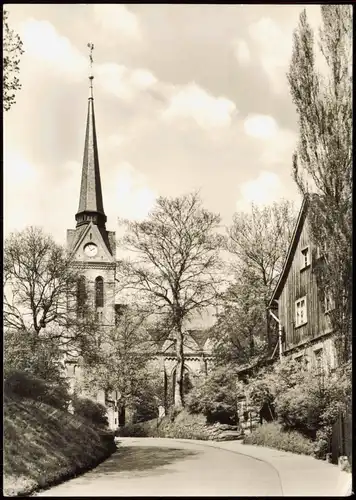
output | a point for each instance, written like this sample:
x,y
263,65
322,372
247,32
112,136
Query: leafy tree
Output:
x,y
25,352
258,242
323,159
177,264
120,361
12,50
239,332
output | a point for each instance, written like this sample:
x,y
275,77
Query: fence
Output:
x,y
341,440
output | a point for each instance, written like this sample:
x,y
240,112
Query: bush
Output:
x,y
91,411
307,401
142,429
300,409
315,403
182,425
27,386
215,397
272,435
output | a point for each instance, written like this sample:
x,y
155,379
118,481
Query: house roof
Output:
x,y
291,251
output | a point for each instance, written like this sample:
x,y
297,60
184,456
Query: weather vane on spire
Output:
x,y
91,47
91,77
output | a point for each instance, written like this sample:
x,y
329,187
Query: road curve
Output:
x,y
169,467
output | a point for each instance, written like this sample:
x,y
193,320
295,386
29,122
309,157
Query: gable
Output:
x,y
91,234
291,254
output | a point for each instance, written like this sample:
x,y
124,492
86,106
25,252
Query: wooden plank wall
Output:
x,y
298,284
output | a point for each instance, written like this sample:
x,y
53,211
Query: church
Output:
x,y
93,250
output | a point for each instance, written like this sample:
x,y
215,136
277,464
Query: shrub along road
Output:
x,y
169,467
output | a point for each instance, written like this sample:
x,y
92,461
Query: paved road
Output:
x,y
167,467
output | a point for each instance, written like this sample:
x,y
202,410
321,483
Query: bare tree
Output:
x,y
12,50
40,291
259,241
177,265
323,158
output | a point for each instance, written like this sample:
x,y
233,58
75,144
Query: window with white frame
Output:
x,y
305,258
300,311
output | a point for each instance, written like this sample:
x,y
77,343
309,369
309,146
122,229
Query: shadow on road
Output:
x,y
138,459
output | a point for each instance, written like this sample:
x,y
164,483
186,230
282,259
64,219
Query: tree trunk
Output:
x,y
122,416
165,386
268,331
178,390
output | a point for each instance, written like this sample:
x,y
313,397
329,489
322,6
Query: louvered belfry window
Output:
x,y
81,294
99,292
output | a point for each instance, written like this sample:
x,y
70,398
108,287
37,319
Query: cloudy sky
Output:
x,y
186,97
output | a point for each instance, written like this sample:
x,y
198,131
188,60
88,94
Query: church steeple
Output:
x,y
91,208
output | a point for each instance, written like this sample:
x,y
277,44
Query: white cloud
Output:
x,y
43,43
191,101
118,19
123,82
242,51
280,148
263,190
21,181
275,49
115,140
17,170
275,42
260,126
129,195
142,78
55,52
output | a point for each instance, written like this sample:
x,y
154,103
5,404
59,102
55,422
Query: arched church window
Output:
x,y
99,292
81,293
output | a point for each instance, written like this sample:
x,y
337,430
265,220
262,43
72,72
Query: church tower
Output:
x,y
92,246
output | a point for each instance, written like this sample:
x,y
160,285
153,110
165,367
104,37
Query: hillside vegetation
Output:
x,y
182,425
44,445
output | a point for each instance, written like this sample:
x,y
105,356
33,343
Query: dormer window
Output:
x,y
305,258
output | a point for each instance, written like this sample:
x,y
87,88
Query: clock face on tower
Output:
x,y
91,249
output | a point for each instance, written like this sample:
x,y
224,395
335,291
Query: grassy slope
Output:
x,y
272,435
44,445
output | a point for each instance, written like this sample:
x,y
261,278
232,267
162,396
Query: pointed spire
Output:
x,y
91,208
